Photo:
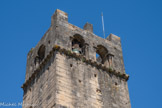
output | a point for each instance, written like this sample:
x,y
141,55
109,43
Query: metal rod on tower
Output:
x,y
103,25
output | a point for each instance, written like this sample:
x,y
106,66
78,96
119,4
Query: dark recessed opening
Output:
x,y
80,81
49,97
48,68
41,53
98,91
53,105
95,75
49,42
116,83
71,65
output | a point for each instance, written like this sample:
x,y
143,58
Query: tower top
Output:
x,y
73,38
63,70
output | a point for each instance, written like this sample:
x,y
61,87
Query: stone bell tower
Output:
x,y
63,70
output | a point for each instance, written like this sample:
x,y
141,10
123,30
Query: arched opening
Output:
x,y
41,52
78,44
40,55
102,55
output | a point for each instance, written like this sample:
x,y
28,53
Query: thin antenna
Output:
x,y
103,24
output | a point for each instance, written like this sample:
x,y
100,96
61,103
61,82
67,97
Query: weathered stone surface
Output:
x,y
88,27
56,80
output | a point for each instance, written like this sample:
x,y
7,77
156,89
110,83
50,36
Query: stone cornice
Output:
x,y
78,57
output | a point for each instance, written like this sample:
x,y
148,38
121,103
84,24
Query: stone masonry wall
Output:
x,y
41,93
64,82
82,86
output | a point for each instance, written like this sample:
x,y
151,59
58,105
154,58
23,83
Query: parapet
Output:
x,y
59,15
88,27
114,39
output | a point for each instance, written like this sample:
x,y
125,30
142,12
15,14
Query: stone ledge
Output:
x,y
77,57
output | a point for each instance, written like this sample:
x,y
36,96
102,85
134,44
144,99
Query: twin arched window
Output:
x,y
78,46
102,54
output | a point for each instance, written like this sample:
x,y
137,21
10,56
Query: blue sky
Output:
x,y
137,22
